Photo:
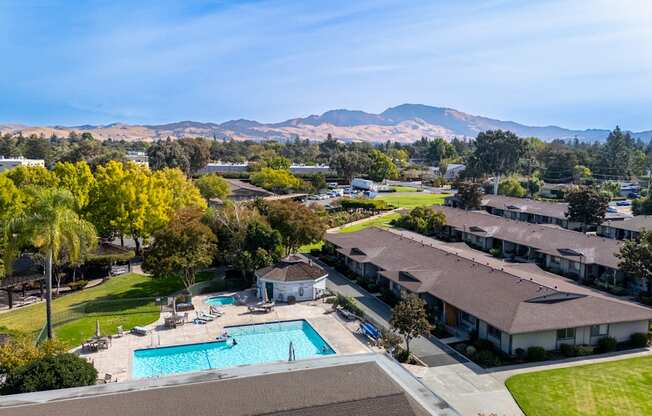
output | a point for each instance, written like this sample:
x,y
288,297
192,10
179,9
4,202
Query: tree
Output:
x,y
511,187
245,239
168,154
172,190
51,225
20,351
381,167
78,179
279,162
470,195
642,206
409,319
183,246
349,164
213,186
424,220
615,157
581,172
51,372
297,223
276,180
586,206
23,176
318,181
198,151
438,150
497,152
636,258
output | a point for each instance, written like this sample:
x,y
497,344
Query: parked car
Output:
x,y
313,197
633,195
623,203
612,210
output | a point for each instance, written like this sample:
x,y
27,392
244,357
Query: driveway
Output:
x,y
460,382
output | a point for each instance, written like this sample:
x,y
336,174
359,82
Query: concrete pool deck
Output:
x,y
117,360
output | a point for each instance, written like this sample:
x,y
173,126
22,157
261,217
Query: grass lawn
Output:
x,y
378,222
404,189
307,247
122,300
412,199
613,388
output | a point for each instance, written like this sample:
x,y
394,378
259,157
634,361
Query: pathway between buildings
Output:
x,y
448,374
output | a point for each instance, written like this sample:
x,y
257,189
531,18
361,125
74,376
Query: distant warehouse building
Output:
x,y
139,158
225,167
8,163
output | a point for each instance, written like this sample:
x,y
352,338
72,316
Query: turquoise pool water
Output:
x,y
255,344
220,300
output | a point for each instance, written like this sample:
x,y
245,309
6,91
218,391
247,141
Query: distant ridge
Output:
x,y
404,123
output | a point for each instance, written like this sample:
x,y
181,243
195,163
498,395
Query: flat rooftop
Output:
x,y
365,384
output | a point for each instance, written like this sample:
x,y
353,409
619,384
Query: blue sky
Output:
x,y
575,63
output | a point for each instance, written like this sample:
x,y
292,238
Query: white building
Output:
x,y
293,276
8,163
139,158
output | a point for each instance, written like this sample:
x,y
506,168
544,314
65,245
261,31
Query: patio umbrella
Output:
x,y
97,328
265,297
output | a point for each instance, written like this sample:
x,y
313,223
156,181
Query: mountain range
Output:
x,y
403,123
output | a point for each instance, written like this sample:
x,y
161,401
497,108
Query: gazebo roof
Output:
x,y
291,269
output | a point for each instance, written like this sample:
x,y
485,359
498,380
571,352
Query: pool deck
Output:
x,y
117,360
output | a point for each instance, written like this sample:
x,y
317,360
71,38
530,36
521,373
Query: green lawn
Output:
x,y
377,222
412,199
307,247
123,300
404,189
612,388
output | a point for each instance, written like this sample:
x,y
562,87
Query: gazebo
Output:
x,y
293,278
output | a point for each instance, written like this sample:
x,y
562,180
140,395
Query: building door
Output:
x,y
269,287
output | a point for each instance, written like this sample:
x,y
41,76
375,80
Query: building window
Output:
x,y
599,330
576,266
566,333
301,291
493,332
467,318
555,260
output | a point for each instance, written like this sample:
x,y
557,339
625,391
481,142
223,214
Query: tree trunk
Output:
x,y
407,345
496,182
48,293
137,243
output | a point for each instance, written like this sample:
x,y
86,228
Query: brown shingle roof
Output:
x,y
546,239
291,269
531,206
636,223
513,302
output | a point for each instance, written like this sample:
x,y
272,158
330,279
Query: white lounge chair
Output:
x,y
139,330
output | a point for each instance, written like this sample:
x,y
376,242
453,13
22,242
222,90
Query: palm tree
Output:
x,y
51,225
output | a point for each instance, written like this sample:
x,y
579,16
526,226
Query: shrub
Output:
x,y
401,355
607,344
536,354
486,358
585,350
348,304
568,350
470,350
315,252
496,252
638,340
520,353
483,345
373,288
49,373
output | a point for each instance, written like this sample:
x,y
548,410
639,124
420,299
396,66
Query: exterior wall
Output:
x,y
545,339
311,289
623,330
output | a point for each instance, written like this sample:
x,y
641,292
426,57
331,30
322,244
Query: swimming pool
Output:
x,y
220,300
256,344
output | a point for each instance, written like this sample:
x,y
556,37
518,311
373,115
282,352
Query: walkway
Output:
x,y
449,375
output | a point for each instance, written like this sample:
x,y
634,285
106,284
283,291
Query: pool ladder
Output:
x,y
291,353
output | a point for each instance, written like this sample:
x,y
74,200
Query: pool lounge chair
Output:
x,y
121,331
369,330
139,330
213,310
347,315
204,316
